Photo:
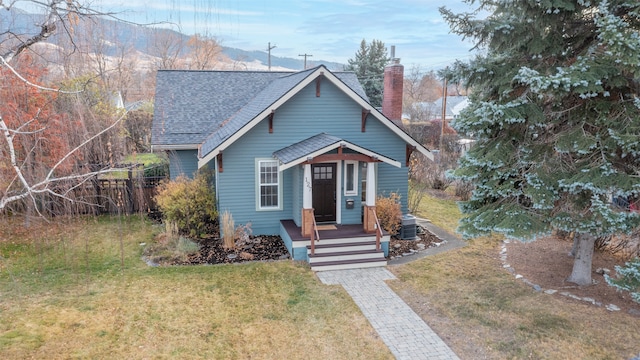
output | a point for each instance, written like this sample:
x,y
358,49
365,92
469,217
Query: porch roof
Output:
x,y
319,144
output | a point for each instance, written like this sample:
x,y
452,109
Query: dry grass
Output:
x,y
58,300
482,312
443,212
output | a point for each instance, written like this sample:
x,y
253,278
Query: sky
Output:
x,y
326,29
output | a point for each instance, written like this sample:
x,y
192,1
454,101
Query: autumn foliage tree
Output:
x,y
39,157
39,132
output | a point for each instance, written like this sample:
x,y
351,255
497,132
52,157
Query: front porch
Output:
x,y
338,246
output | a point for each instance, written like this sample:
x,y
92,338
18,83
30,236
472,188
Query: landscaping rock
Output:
x,y
612,307
634,312
246,256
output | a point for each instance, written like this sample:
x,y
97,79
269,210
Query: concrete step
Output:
x,y
350,264
346,256
322,248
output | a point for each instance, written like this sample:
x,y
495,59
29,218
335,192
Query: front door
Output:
x,y
324,192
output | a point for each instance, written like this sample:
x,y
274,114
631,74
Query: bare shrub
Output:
x,y
417,190
463,189
623,246
243,234
389,213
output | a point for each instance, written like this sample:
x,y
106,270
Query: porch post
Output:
x,y
307,203
370,201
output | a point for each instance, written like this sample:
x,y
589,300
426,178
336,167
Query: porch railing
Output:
x,y
314,233
378,230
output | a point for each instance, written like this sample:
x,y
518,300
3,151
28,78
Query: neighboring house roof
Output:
x,y
455,104
191,105
457,108
299,152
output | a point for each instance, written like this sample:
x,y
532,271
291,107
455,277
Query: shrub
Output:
x,y
168,249
189,204
389,213
160,169
628,278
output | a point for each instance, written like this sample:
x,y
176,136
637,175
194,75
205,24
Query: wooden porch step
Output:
x,y
348,264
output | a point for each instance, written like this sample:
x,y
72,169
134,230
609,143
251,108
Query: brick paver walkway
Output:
x,y
404,332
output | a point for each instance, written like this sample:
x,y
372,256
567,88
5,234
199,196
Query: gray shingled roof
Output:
x,y
192,107
305,147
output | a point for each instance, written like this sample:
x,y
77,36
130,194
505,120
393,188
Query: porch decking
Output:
x,y
345,247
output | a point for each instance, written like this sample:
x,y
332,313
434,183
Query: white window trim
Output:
x,y
259,207
355,184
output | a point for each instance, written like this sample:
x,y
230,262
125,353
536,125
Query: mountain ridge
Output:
x,y
115,33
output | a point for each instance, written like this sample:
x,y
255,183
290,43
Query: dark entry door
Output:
x,y
324,192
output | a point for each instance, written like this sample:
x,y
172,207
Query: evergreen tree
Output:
x,y
368,64
556,113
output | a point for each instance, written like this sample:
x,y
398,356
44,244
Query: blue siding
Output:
x,y
183,162
301,117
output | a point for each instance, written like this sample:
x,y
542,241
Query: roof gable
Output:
x,y
319,144
273,96
191,105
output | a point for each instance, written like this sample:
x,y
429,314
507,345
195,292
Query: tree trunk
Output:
x,y
581,273
576,241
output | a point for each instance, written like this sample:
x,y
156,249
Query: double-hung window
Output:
x,y
268,191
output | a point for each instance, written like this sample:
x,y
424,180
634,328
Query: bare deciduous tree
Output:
x,y
204,52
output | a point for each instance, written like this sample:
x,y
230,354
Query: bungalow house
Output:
x,y
296,154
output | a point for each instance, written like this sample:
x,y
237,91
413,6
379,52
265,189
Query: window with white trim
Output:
x,y
351,178
268,191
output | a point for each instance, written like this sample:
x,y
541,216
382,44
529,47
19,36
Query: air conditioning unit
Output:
x,y
409,228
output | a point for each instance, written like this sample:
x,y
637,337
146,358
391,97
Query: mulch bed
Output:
x,y
546,262
257,248
267,247
398,247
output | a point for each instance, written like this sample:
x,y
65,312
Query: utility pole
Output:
x,y
269,47
444,112
305,59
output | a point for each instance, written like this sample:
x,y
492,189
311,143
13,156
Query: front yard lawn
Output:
x,y
79,289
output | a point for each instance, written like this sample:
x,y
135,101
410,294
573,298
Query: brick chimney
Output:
x,y
392,93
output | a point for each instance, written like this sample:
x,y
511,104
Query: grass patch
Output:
x,y
68,291
149,160
442,212
467,297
